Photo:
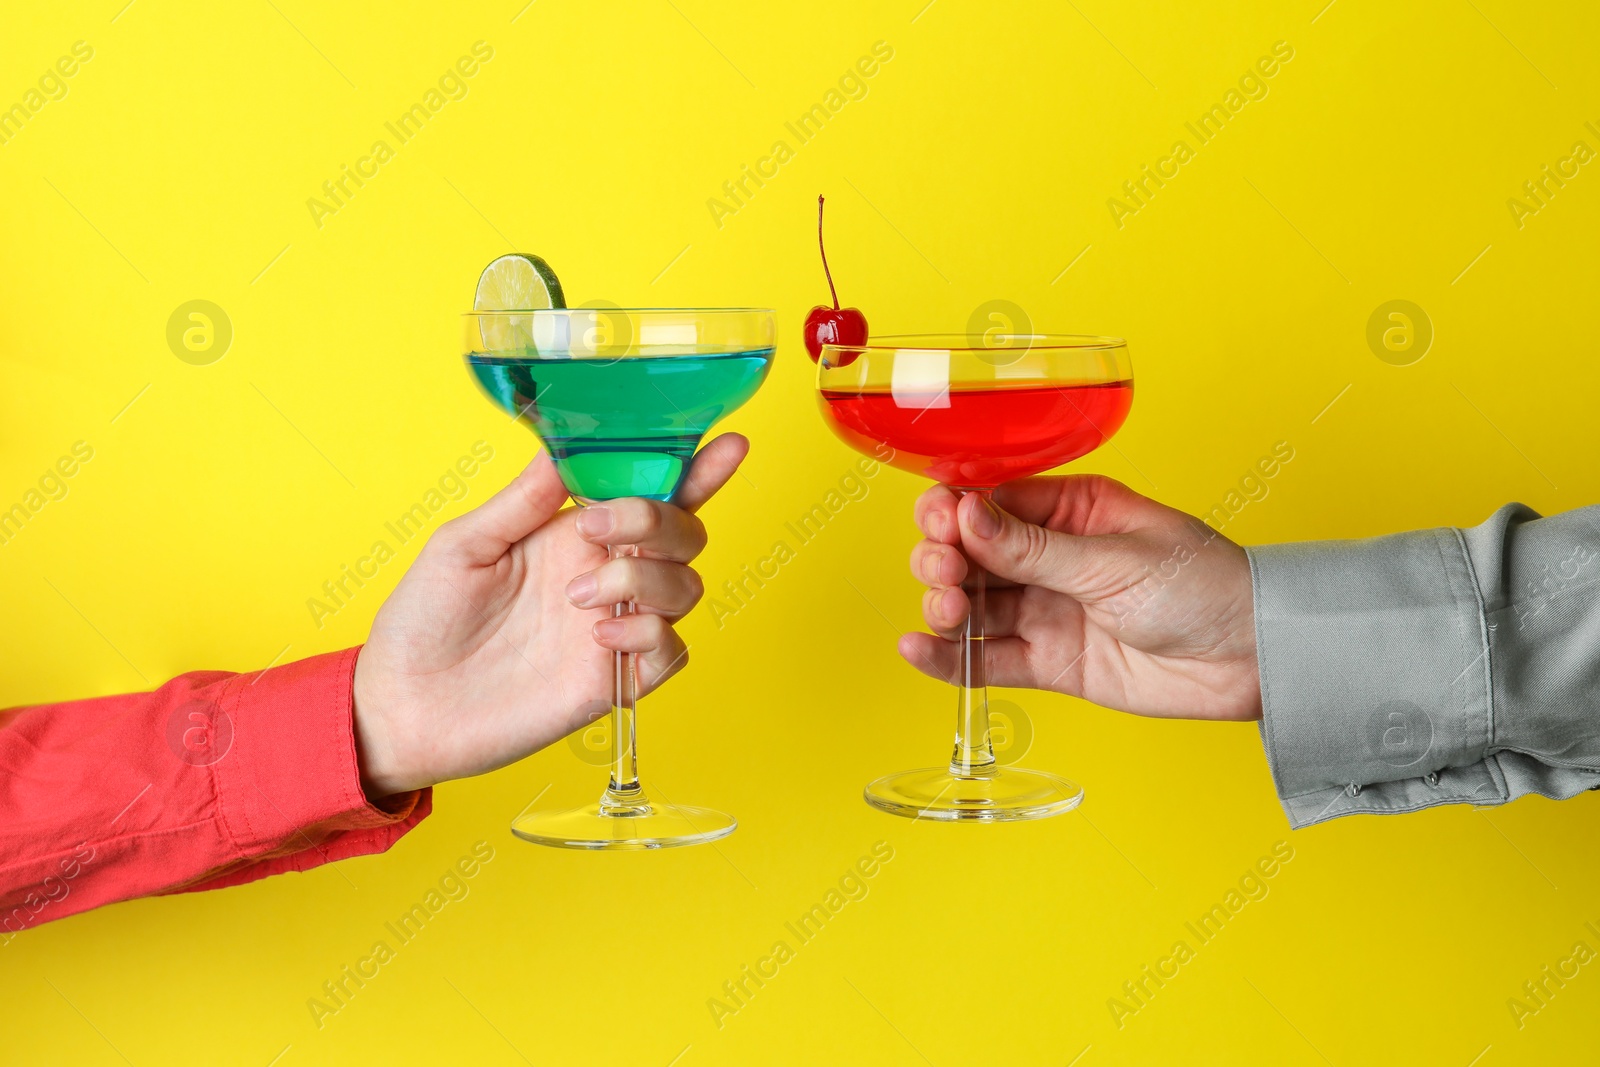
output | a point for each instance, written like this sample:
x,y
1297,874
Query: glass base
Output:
x,y
1005,794
639,824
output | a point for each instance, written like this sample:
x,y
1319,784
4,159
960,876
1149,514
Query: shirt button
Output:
x,y
1353,789
1432,777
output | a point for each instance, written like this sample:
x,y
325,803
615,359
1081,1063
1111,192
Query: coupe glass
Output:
x,y
621,397
974,416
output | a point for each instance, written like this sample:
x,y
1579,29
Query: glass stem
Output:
x,y
973,756
623,795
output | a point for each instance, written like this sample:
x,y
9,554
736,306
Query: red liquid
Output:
x,y
979,438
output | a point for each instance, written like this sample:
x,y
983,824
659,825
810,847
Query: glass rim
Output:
x,y
702,312
1036,341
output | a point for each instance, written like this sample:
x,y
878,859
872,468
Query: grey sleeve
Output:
x,y
1434,667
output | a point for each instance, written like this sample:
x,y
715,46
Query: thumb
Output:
x,y
1027,554
484,534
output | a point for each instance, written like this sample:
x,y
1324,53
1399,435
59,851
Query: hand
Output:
x,y
1094,591
498,640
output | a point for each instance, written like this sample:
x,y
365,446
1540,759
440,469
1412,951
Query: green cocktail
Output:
x,y
625,426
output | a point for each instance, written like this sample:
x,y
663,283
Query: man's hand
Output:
x,y
1095,591
498,640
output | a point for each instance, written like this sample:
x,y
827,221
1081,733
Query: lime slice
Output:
x,y
515,282
518,282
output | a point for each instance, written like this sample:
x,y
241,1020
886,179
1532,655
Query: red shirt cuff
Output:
x,y
288,787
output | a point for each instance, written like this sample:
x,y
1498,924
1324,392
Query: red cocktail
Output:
x,y
980,438
973,417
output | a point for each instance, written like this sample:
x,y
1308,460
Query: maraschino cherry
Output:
x,y
832,325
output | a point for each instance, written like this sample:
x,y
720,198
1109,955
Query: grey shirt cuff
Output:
x,y
1380,662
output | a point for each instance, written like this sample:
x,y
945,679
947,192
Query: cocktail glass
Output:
x,y
975,413
621,397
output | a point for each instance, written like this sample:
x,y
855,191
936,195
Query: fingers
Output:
x,y
654,586
946,610
659,530
665,535
934,564
935,512
1005,659
712,467
1082,504
661,651
483,534
931,655
1029,554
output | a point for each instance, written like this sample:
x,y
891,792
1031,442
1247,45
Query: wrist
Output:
x,y
1234,615
382,772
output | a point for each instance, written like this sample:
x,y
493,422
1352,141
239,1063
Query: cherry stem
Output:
x,y
824,252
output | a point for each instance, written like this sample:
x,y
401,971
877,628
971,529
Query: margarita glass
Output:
x,y
974,416
621,397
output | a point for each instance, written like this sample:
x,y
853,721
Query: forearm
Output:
x,y
1433,667
214,779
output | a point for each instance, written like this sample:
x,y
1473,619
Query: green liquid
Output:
x,y
624,427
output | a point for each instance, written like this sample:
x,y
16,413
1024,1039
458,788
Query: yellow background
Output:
x,y
977,167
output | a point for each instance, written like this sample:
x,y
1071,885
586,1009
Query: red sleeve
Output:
x,y
213,780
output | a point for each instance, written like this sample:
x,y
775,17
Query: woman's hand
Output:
x,y
498,640
1095,591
